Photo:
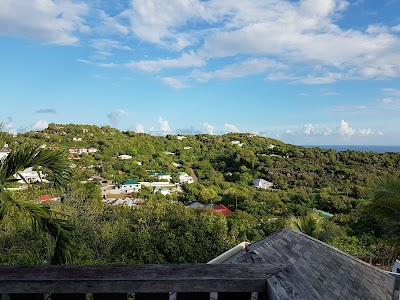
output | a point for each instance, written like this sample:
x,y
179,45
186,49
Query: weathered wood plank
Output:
x,y
26,296
137,278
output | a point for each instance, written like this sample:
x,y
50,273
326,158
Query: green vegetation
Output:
x,y
163,230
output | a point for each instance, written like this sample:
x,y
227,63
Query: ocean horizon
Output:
x,y
364,148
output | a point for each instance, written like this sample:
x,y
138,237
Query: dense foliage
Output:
x,y
163,230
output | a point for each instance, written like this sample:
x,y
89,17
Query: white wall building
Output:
x,y
262,184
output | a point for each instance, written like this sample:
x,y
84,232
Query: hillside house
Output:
x,y
47,198
185,178
161,190
187,148
222,209
91,150
129,186
262,184
30,176
73,150
164,176
78,139
4,151
124,156
238,143
180,137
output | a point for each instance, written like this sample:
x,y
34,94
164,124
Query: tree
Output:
x,y
41,217
385,209
316,226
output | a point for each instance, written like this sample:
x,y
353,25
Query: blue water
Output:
x,y
365,148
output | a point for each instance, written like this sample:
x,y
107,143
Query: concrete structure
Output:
x,y
262,184
125,156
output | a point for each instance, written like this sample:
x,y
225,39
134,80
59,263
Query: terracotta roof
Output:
x,y
222,209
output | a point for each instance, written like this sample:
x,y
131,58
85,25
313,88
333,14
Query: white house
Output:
x,y
31,176
159,189
237,143
91,150
4,151
75,138
176,165
130,186
187,148
185,178
73,150
125,156
164,176
262,184
181,137
271,146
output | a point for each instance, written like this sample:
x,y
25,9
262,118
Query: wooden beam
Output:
x,y
137,278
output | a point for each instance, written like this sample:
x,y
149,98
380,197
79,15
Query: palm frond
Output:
x,y
52,161
43,219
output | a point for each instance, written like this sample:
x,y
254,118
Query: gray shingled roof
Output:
x,y
316,271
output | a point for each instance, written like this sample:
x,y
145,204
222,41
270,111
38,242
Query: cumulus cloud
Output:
x,y
46,111
309,129
230,127
209,128
328,132
46,20
366,132
115,116
39,125
164,126
345,130
305,33
139,128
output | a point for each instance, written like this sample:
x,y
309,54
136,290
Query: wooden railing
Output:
x,y
170,281
383,263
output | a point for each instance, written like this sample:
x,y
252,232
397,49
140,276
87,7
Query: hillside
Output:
x,y
225,166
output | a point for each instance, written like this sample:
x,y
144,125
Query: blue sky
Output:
x,y
304,71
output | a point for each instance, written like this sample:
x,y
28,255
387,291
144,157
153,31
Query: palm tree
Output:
x,y
385,209
41,216
316,226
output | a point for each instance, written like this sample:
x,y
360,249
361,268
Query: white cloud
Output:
x,y
230,127
309,129
366,132
391,91
209,128
139,128
39,125
174,82
345,130
328,132
164,126
186,60
237,70
47,20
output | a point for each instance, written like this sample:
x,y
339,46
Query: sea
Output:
x,y
364,148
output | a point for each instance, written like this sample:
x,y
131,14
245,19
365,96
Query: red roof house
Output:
x,y
222,209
